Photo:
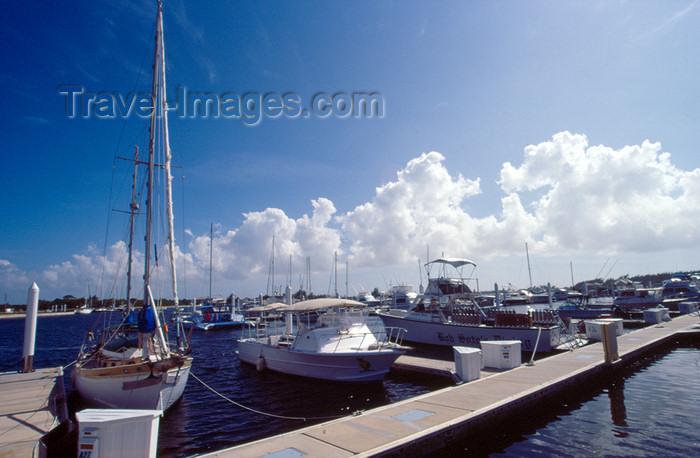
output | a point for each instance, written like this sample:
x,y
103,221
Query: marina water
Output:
x,y
649,410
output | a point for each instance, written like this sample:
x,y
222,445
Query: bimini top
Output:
x,y
454,262
320,304
266,308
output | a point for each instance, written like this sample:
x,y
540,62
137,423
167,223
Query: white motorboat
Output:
x,y
447,314
132,365
213,314
681,287
332,342
402,296
367,298
636,299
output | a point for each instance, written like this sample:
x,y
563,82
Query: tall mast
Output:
x,y
134,208
151,162
211,250
159,108
160,111
168,158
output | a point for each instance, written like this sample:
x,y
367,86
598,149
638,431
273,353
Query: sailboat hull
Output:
x,y
141,385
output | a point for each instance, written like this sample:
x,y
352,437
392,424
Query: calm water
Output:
x,y
203,421
648,411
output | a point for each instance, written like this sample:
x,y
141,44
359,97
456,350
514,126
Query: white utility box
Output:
x,y
468,363
594,327
501,354
688,307
656,315
117,433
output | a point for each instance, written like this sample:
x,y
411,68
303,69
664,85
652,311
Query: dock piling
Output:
x,y
30,328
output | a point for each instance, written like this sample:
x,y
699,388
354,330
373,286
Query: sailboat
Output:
x,y
133,366
214,313
85,309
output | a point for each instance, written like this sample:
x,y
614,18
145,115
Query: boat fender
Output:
x,y
260,366
90,336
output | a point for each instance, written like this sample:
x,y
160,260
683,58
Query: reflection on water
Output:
x,y
650,410
618,414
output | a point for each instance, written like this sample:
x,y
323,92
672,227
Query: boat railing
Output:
x,y
391,336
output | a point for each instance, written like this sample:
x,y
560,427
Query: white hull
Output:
x,y
456,334
200,324
138,389
636,303
360,366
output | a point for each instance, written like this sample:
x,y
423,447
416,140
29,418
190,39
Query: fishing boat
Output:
x,y
367,298
681,286
132,365
447,314
401,296
332,341
580,306
636,299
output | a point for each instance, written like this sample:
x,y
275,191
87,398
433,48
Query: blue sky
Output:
x,y
569,125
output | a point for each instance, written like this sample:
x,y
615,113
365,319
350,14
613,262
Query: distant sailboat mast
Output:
x,y
211,254
529,272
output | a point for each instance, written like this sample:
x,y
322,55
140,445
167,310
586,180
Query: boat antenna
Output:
x,y
420,276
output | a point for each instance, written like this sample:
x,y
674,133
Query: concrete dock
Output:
x,y
432,421
31,404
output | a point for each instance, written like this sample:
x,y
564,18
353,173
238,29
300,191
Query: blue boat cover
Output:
x,y
146,321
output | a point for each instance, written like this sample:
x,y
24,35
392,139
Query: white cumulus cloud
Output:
x,y
564,198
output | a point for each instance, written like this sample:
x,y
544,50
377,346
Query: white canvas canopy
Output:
x,y
320,304
266,308
454,262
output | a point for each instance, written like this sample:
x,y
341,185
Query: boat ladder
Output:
x,y
567,339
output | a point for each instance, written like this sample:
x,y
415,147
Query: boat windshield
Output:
x,y
340,318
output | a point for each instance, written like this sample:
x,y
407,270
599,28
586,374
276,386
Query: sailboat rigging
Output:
x,y
132,365
214,313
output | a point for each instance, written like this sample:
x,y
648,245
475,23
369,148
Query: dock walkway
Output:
x,y
31,405
429,422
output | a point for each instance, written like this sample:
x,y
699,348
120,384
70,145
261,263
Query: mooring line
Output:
x,y
265,413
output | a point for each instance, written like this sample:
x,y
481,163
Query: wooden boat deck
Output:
x,y
31,405
427,422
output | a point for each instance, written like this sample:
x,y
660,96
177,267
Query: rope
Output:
x,y
359,412
534,350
